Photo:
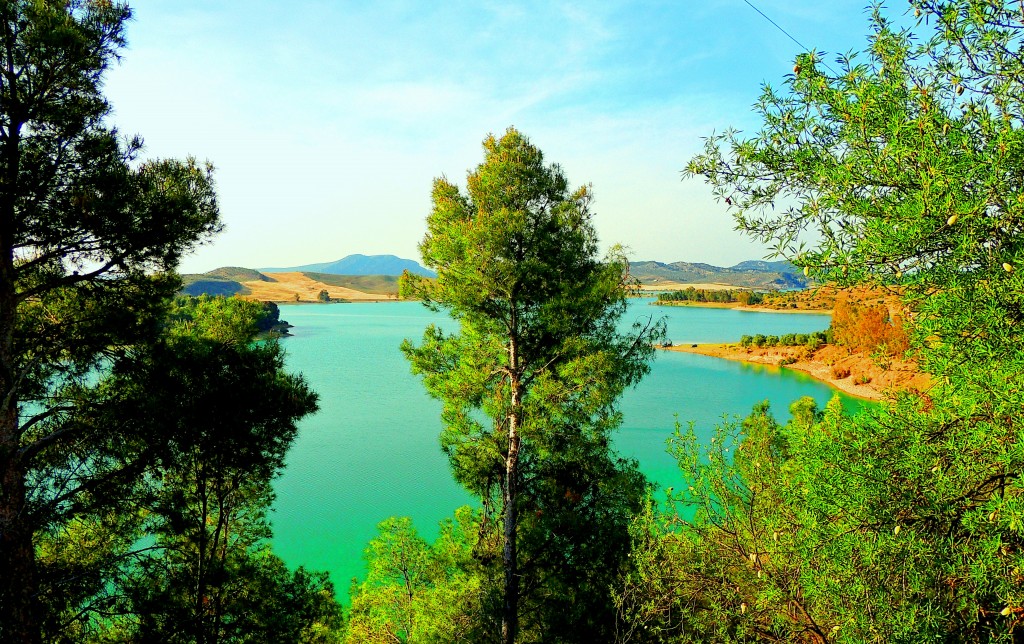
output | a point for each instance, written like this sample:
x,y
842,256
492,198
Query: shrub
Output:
x,y
869,327
839,372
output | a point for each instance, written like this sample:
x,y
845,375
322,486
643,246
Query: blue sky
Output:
x,y
327,121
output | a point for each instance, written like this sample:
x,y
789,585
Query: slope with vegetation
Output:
x,y
227,280
864,352
290,287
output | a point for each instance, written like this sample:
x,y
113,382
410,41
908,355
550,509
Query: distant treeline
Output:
x,y
723,296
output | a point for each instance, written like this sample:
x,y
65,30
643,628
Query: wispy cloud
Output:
x,y
336,116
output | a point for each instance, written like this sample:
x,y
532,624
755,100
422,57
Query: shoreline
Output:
x,y
861,377
742,307
338,301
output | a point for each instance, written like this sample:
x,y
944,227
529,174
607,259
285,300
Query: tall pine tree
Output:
x,y
530,382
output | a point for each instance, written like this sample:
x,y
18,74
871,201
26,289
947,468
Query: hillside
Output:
x,y
377,284
238,274
359,265
290,287
227,280
856,373
300,287
752,274
198,284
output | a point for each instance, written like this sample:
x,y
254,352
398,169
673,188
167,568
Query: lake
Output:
x,y
372,450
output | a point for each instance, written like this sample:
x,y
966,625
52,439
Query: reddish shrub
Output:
x,y
866,328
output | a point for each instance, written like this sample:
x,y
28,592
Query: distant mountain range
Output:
x,y
753,274
359,265
377,275
355,277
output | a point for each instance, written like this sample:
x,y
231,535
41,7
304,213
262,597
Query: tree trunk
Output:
x,y
17,555
18,589
510,561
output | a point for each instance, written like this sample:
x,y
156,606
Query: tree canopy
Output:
x,y
900,169
529,385
116,420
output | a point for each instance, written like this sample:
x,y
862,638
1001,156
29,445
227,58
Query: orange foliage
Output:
x,y
867,326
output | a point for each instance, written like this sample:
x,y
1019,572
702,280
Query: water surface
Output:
x,y
372,451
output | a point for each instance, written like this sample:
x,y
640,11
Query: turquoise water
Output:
x,y
372,450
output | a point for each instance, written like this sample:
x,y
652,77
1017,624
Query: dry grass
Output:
x,y
286,286
382,285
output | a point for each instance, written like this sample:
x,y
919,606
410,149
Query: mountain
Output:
x,y
753,274
762,266
360,265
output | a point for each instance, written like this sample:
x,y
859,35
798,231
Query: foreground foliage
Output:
x,y
904,523
81,226
171,544
420,592
137,444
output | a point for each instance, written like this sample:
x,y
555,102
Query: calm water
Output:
x,y
372,451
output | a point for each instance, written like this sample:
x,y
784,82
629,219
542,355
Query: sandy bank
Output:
x,y
854,374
